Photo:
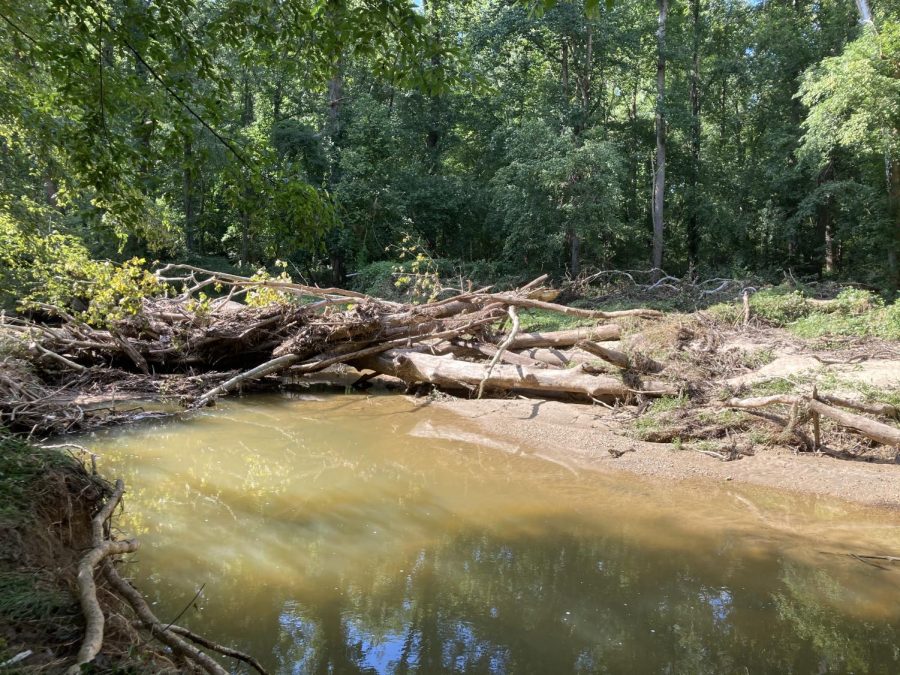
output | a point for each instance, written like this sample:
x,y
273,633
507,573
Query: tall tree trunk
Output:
x,y
825,219
574,252
245,231
51,190
188,185
588,65
335,97
659,176
894,234
693,224
247,112
247,117
277,100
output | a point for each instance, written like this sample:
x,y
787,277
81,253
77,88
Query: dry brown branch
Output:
x,y
514,330
156,627
275,365
519,301
234,279
884,409
877,431
221,649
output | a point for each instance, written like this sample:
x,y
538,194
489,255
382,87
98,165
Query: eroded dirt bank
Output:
x,y
592,437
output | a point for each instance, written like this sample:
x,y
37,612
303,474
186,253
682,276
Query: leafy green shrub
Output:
x,y
779,306
855,302
727,312
880,321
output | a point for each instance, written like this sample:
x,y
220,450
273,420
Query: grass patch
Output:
x,y
30,597
854,312
668,403
540,320
778,385
653,419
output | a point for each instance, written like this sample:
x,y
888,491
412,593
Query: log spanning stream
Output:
x,y
354,534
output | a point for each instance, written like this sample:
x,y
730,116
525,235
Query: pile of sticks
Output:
x,y
457,344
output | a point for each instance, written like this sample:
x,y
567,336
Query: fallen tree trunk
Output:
x,y
638,362
531,303
877,431
414,368
884,409
566,338
561,358
473,347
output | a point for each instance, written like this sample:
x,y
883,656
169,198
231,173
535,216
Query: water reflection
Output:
x,y
332,547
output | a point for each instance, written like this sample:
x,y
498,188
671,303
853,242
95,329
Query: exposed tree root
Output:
x,y
87,588
158,629
172,636
221,649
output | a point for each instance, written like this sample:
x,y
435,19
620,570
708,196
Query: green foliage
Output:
x,y
861,315
23,597
263,295
853,312
20,467
497,135
852,97
417,273
666,404
554,187
56,269
536,320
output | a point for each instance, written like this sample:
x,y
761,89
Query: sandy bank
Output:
x,y
587,437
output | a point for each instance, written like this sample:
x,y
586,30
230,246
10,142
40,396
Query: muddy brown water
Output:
x,y
353,534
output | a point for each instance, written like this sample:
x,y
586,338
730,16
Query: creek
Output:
x,y
355,534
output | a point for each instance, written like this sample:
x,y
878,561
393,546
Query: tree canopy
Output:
x,y
508,137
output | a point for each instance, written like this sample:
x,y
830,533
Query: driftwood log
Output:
x,y
451,373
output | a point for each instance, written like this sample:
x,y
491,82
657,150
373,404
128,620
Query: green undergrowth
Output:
x,y
29,596
653,418
21,467
854,312
32,597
